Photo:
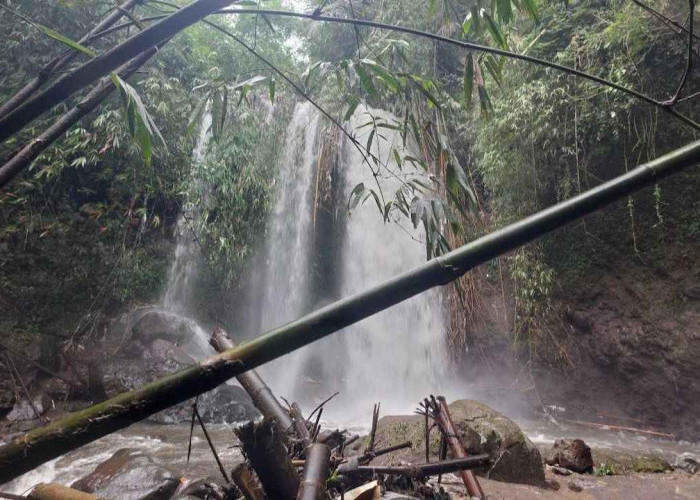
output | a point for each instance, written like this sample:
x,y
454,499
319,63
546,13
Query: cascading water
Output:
x,y
289,245
396,356
178,293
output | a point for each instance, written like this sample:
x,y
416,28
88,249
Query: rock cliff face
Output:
x,y
623,346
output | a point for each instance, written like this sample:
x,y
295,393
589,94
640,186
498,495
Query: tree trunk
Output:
x,y
31,151
268,455
316,472
41,445
263,398
98,67
60,62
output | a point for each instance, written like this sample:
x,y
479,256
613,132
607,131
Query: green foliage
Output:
x,y
552,136
605,469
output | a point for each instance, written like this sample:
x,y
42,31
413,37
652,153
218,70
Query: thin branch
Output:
x,y
689,60
665,19
357,30
478,48
98,67
466,45
61,62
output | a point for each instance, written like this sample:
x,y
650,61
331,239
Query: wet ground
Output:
x,y
167,444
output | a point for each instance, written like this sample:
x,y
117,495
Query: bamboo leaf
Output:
x,y
352,106
495,31
271,87
366,80
530,7
505,10
356,195
468,80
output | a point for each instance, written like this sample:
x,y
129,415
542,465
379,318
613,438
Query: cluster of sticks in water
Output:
x,y
284,442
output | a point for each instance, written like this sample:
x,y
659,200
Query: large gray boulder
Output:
x,y
156,324
481,430
129,475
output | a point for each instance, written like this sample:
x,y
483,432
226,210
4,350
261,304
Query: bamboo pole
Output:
x,y
41,445
31,151
66,86
263,398
441,414
422,470
60,62
316,472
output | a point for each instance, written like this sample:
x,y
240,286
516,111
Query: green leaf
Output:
x,y
495,31
530,7
486,107
66,41
352,106
505,11
494,68
366,80
370,139
468,80
271,87
356,195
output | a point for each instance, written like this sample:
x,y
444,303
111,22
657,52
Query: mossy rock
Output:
x,y
650,464
481,429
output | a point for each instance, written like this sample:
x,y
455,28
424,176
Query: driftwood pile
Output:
x,y
288,457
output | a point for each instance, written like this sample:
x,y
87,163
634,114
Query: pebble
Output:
x,y
574,486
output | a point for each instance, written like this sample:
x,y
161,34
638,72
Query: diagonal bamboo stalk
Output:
x,y
60,62
38,446
92,70
32,150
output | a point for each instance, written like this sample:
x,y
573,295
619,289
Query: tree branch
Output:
x,y
689,60
86,74
60,62
478,48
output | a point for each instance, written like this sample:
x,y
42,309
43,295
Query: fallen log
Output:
x,y
316,472
41,445
245,480
262,396
264,448
418,471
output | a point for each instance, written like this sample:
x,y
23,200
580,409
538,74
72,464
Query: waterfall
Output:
x,y
289,245
179,291
396,356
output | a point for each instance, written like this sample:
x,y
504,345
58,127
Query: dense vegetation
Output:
x,y
94,217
